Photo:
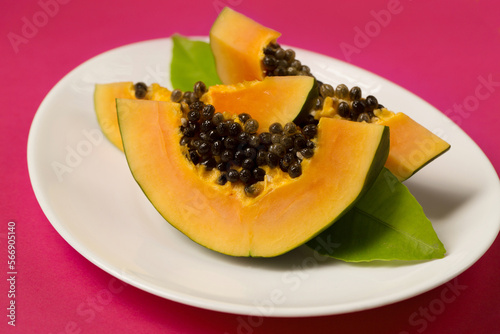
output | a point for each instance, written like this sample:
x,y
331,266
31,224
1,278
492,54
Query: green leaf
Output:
x,y
192,61
387,223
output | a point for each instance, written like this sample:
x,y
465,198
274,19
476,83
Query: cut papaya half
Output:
x,y
287,212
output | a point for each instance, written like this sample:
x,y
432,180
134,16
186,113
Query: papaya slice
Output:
x,y
412,145
287,213
274,99
105,96
237,43
255,46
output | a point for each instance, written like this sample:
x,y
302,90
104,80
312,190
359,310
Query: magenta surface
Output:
x,y
446,52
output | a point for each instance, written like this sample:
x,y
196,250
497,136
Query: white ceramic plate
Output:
x,y
85,189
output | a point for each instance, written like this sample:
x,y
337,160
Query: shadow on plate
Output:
x,y
304,258
439,202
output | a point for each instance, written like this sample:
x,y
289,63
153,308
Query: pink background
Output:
x,y
437,50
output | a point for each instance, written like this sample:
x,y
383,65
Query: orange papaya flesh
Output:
x,y
236,42
274,99
412,146
348,158
105,96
